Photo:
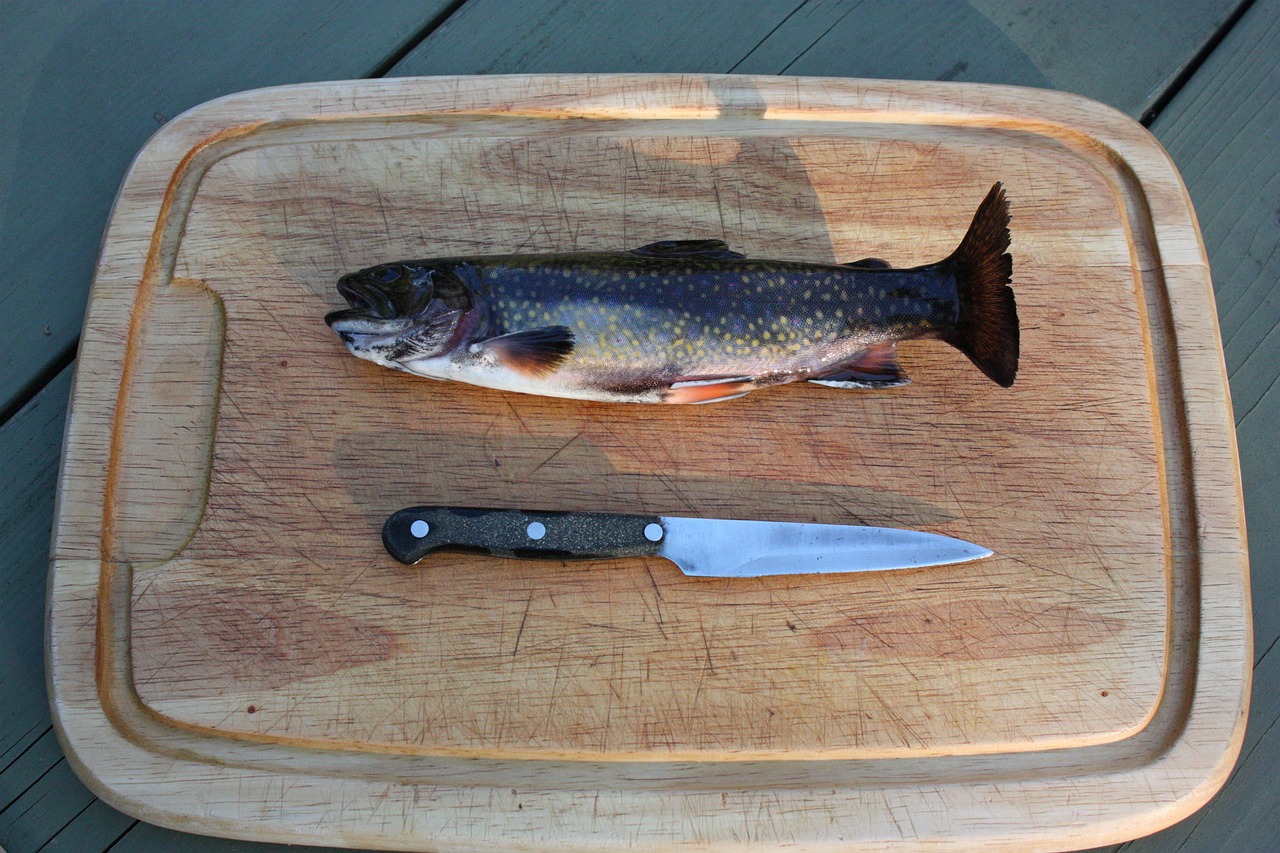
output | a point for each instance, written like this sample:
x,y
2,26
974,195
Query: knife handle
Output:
x,y
412,533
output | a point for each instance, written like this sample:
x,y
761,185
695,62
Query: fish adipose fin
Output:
x,y
534,352
689,249
875,367
987,327
868,264
710,390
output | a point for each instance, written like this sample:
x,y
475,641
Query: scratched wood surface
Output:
x,y
250,621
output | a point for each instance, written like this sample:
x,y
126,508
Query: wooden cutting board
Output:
x,y
232,652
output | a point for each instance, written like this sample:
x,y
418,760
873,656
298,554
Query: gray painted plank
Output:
x,y
529,36
95,827
52,802
1091,47
29,447
27,768
1122,56
910,40
87,81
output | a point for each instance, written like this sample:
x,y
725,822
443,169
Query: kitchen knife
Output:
x,y
705,547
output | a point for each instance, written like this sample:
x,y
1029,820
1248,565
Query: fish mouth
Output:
x,y
343,316
366,298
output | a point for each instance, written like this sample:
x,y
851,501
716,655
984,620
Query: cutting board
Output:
x,y
232,652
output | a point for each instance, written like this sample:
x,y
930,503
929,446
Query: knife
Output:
x,y
703,547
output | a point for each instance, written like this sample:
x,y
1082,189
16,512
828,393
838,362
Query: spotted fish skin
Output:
x,y
680,321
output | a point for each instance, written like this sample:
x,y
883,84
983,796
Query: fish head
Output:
x,y
401,312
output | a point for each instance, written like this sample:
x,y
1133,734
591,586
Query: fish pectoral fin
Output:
x,y
711,389
689,249
534,352
874,367
869,264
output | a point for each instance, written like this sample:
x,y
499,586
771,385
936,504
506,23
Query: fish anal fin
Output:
x,y
689,249
709,390
869,264
875,367
533,352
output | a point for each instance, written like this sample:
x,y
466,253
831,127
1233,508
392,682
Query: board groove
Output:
x,y
1189,500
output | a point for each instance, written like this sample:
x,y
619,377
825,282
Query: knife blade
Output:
x,y
702,547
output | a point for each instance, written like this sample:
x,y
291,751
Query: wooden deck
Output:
x,y
85,83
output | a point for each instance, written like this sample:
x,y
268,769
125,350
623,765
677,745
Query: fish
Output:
x,y
682,321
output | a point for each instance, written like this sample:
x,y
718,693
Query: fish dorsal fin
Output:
x,y
534,352
869,264
689,249
874,367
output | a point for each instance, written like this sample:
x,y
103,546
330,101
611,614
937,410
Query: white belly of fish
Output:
x,y
490,373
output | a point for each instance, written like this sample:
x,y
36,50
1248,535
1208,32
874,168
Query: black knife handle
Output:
x,y
412,533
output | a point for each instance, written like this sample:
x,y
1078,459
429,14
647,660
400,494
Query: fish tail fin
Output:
x,y
987,327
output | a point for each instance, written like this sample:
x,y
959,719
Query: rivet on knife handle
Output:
x,y
413,533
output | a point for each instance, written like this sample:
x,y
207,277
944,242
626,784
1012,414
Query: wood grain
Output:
x,y
1104,479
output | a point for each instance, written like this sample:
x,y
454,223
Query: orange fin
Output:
x,y
535,352
874,367
709,390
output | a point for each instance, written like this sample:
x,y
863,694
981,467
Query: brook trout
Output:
x,y
681,321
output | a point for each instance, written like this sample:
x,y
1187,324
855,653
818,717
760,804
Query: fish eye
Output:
x,y
387,274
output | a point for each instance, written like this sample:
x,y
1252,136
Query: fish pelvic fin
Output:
x,y
713,389
875,367
986,329
533,352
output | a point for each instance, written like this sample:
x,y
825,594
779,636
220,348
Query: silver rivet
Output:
x,y
536,530
653,532
419,529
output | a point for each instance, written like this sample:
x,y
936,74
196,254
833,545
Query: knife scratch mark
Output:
x,y
657,602
520,633
561,449
706,644
901,723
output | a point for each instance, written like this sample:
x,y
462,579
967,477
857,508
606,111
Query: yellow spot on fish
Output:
x,y
808,294
768,336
